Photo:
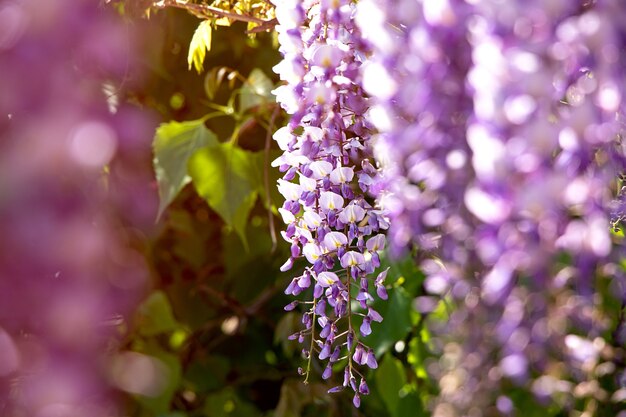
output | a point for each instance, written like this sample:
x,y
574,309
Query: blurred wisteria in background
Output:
x,y
75,200
501,149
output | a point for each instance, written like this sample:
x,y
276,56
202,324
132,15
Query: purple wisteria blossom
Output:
x,y
327,174
500,139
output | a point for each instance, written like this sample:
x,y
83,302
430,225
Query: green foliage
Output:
x,y
224,176
154,315
390,379
256,91
170,379
200,44
174,143
397,321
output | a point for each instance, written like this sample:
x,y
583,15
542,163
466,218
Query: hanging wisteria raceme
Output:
x,y
546,154
503,166
327,173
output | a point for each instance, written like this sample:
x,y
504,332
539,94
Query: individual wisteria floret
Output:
x,y
327,174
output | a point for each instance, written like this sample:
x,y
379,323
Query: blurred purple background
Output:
x,y
75,200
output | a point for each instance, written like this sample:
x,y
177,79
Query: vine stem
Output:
x,y
266,178
308,365
209,11
350,366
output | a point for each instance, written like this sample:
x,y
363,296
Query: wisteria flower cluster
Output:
x,y
500,139
330,222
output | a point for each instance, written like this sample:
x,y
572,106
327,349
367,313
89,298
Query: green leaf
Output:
x,y
154,315
405,271
200,44
417,353
173,145
251,261
410,405
390,378
169,377
257,90
397,323
224,176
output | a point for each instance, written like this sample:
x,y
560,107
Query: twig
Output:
x,y
267,25
224,299
266,177
209,11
